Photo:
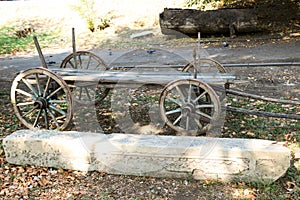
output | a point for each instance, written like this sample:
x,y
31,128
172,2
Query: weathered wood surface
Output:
x,y
138,77
223,21
263,113
253,96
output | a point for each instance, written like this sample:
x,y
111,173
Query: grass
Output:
x,y
10,43
244,125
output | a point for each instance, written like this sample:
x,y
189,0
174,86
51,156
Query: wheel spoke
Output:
x,y
25,93
30,87
173,111
203,114
53,117
28,112
58,101
58,110
72,64
99,64
25,103
190,93
80,93
38,84
198,123
46,119
89,61
181,95
187,123
205,106
200,96
88,94
174,101
47,86
80,61
37,118
177,120
53,93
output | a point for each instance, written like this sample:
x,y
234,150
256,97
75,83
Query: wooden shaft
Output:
x,y
262,113
74,47
37,46
243,94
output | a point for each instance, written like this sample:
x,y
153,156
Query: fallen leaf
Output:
x,y
295,34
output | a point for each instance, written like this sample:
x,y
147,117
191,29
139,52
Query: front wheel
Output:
x,y
41,100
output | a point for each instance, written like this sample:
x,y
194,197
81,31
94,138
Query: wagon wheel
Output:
x,y
41,99
189,106
86,93
205,65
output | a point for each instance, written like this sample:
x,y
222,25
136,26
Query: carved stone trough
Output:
x,y
150,155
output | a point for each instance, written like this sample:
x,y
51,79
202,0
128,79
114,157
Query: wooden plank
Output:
x,y
262,113
160,79
119,77
253,96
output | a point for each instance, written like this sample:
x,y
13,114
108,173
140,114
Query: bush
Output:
x,y
86,9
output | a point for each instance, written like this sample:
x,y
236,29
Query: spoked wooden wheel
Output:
x,y
189,106
205,65
85,60
41,99
86,93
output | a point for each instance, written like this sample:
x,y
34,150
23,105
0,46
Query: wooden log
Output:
x,y
262,113
223,21
253,96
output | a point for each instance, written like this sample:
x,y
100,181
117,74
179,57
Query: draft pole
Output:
x,y
197,57
38,48
74,48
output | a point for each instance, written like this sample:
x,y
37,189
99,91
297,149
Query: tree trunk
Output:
x,y
223,21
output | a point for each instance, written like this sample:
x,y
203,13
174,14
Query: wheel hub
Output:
x,y
188,108
41,103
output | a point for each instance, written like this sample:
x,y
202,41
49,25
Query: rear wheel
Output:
x,y
86,93
205,65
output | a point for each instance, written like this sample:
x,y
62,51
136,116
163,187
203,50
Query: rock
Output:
x,y
151,155
141,35
223,21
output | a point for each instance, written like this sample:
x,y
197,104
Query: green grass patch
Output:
x,y
10,42
250,126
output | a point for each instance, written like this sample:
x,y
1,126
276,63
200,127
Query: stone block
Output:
x,y
141,35
151,155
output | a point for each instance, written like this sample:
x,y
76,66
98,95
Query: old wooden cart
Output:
x,y
44,98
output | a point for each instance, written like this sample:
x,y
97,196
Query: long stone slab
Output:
x,y
150,155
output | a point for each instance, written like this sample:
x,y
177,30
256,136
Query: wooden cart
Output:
x,y
44,98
